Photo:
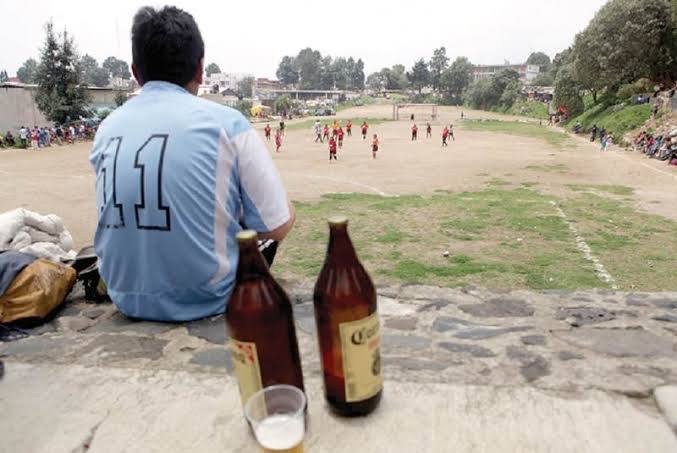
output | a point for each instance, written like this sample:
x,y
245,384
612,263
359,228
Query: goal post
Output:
x,y
420,112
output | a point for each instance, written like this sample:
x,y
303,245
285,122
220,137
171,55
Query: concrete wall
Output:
x,y
18,108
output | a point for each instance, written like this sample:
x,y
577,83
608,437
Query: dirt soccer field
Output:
x,y
516,205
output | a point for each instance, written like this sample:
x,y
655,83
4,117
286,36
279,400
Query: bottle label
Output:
x,y
361,348
247,369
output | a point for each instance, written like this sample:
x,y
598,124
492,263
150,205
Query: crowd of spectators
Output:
x,y
44,137
658,146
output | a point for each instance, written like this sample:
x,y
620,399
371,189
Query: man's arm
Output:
x,y
266,207
279,233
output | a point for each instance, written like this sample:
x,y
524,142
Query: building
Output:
x,y
527,72
18,106
220,81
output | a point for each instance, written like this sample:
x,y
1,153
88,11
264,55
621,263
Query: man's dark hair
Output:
x,y
166,45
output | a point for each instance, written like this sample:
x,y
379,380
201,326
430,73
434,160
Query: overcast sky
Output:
x,y
252,36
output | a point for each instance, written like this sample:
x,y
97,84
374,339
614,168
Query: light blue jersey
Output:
x,y
174,176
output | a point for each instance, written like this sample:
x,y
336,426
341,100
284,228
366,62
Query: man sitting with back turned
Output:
x,y
175,175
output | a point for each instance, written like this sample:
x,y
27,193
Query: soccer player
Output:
x,y
374,147
414,132
266,131
318,131
428,130
332,149
200,170
445,135
340,137
281,130
349,128
451,132
278,140
325,132
364,127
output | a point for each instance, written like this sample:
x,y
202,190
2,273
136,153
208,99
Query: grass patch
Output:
x,y
613,189
638,249
501,238
559,168
532,109
498,182
531,130
617,119
308,124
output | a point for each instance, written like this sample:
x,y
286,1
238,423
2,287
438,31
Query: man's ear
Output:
x,y
136,75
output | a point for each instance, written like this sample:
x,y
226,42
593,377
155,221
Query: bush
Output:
x,y
641,86
102,114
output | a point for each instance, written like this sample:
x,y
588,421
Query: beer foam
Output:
x,y
280,432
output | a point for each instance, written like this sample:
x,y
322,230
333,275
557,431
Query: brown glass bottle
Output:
x,y
348,327
260,323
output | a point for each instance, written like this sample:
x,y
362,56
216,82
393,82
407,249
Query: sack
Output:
x,y
36,291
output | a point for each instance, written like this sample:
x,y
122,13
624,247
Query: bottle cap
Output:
x,y
338,220
246,235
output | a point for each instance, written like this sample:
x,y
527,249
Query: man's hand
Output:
x,y
279,233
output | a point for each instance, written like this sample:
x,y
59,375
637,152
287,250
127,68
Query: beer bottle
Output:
x,y
348,327
260,323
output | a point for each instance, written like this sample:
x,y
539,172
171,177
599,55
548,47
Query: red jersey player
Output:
x,y
340,137
325,131
374,146
349,127
278,140
266,130
445,134
365,127
414,132
332,149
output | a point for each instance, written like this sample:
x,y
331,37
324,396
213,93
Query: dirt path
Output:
x,y
60,180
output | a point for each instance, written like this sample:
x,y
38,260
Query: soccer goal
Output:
x,y
421,112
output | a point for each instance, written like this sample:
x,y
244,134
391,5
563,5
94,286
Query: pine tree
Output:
x,y
61,95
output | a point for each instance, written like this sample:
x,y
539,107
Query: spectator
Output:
x,y
177,260
35,137
23,135
9,139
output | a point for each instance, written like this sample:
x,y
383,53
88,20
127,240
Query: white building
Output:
x,y
223,81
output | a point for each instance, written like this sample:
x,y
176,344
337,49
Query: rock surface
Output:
x,y
549,343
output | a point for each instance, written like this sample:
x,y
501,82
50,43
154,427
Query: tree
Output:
x,y
93,75
568,91
456,79
245,87
282,103
3,76
245,107
479,94
357,76
120,98
511,93
310,65
625,41
61,95
419,76
377,81
26,72
212,68
397,77
539,59
116,68
543,80
287,71
438,64
327,77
